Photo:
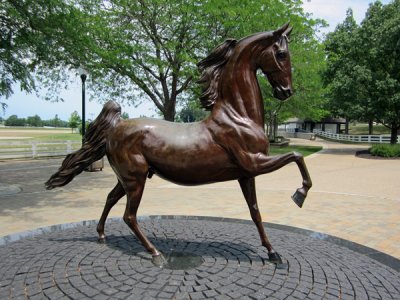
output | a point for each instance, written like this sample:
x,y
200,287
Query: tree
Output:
x,y
148,49
13,49
34,121
56,122
380,34
156,44
191,112
342,69
25,45
74,120
125,115
13,120
362,73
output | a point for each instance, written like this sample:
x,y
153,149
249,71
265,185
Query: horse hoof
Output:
x,y
275,258
102,239
158,260
298,198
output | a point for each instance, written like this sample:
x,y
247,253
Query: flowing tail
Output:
x,y
93,147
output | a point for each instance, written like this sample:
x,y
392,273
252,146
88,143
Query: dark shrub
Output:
x,y
385,150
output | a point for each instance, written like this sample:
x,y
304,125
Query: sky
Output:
x,y
24,105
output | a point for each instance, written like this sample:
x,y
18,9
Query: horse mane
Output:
x,y
211,68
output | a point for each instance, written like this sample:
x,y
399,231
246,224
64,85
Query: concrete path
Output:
x,y
352,198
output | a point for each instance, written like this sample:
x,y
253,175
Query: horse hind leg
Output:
x,y
248,187
113,197
134,189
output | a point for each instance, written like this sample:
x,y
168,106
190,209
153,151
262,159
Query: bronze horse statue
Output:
x,y
228,145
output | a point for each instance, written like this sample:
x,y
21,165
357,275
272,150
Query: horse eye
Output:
x,y
281,55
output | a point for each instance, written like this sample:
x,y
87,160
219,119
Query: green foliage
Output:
x,y
147,47
34,121
87,124
362,75
14,48
27,51
308,61
74,120
192,112
152,46
305,150
15,121
385,150
308,101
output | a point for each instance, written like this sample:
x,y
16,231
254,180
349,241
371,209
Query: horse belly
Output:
x,y
197,167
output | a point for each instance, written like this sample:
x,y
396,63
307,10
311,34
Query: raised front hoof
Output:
x,y
158,260
274,258
298,198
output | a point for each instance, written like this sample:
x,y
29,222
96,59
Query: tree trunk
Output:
x,y
169,113
275,129
370,127
270,129
346,127
393,134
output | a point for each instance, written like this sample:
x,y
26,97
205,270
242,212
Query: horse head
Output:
x,y
267,51
273,58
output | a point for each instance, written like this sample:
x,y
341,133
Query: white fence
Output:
x,y
370,139
36,149
299,135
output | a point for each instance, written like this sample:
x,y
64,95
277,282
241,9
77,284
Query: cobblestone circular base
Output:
x,y
69,263
9,189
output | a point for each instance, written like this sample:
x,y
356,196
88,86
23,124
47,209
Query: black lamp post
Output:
x,y
83,75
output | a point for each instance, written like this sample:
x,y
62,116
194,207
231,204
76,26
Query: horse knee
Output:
x,y
130,219
298,156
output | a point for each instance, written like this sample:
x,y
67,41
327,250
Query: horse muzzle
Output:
x,y
282,93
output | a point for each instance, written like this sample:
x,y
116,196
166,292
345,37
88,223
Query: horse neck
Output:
x,y
241,93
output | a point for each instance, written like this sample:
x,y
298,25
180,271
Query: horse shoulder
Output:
x,y
241,135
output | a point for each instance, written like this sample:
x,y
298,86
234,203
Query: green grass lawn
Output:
x,y
305,150
362,128
38,134
59,137
18,140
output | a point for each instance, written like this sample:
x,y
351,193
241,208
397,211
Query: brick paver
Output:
x,y
69,263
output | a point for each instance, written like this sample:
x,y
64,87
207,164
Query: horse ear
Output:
x,y
288,31
278,33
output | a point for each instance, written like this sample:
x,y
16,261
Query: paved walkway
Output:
x,y
353,198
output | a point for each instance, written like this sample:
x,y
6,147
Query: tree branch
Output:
x,y
146,68
184,85
139,82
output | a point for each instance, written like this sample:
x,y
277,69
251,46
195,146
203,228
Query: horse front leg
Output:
x,y
248,187
269,164
257,164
